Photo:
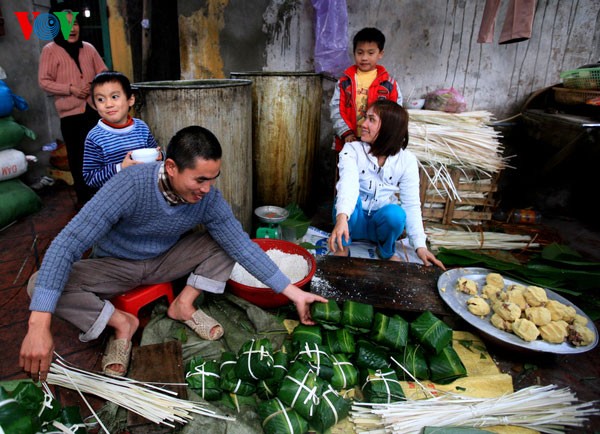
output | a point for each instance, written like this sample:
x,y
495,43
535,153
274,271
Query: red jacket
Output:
x,y
343,102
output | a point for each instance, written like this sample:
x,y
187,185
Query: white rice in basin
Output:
x,y
294,266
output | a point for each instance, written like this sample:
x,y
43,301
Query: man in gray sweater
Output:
x,y
140,226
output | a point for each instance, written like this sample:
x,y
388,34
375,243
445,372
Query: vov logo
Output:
x,y
46,26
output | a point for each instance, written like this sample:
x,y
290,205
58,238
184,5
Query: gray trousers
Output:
x,y
84,300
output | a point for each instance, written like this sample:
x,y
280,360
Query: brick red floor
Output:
x,y
22,247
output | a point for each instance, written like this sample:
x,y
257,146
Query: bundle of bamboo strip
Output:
x,y
464,141
477,240
546,409
154,403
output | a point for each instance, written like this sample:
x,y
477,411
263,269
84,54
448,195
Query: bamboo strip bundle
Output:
x,y
153,403
477,240
546,409
464,141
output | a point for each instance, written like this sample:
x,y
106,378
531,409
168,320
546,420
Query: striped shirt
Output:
x,y
106,147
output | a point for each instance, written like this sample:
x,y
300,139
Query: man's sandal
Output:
x,y
205,326
118,352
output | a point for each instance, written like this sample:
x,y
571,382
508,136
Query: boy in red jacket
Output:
x,y
361,85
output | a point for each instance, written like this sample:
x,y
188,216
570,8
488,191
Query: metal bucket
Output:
x,y
222,106
286,115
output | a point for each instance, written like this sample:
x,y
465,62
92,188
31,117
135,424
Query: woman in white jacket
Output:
x,y
378,189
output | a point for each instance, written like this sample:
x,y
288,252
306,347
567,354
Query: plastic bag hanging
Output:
x,y
331,36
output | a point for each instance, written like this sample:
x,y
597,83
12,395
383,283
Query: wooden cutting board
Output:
x,y
400,286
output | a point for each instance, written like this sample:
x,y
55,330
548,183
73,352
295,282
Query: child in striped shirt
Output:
x,y
109,144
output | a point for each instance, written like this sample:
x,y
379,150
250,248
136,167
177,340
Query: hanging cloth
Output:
x,y
517,23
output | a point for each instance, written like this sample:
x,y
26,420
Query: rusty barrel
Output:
x,y
286,115
224,106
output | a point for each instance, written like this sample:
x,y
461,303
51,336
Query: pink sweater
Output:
x,y
58,71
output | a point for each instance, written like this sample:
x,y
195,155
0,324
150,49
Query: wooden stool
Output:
x,y
137,298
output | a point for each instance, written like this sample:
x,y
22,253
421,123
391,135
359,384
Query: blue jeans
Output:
x,y
382,227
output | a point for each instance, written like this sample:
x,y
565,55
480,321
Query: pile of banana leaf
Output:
x,y
557,267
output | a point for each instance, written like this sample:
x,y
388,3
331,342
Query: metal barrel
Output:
x,y
224,106
286,116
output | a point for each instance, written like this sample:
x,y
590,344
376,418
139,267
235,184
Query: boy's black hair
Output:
x,y
112,76
191,143
369,34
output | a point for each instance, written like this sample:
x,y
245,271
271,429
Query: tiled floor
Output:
x,y
23,244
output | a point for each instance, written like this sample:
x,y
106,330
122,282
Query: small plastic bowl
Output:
x,y
146,155
265,297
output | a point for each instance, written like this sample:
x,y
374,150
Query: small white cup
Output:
x,y
146,155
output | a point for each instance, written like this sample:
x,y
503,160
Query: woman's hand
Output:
x,y
429,258
81,93
302,300
339,232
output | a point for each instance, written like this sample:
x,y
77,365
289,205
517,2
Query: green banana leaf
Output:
x,y
446,366
331,410
300,390
267,388
326,314
203,376
414,360
317,359
339,341
280,419
345,375
382,386
36,401
229,379
391,332
255,360
357,317
369,355
306,334
14,417
431,332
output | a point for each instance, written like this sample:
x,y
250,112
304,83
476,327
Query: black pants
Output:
x,y
74,131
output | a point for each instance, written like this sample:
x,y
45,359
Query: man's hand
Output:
x,y
37,347
302,300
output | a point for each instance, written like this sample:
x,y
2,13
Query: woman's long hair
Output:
x,y
393,132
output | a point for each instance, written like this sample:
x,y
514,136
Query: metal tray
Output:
x,y
457,301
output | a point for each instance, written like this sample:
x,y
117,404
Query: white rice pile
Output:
x,y
292,265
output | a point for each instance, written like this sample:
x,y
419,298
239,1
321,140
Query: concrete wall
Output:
x,y
429,45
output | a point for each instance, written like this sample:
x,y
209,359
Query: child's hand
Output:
x,y
159,157
128,161
350,138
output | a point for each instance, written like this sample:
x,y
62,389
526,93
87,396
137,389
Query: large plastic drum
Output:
x,y
222,106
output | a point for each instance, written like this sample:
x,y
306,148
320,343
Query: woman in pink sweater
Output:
x,y
66,70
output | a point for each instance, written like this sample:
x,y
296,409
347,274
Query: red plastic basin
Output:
x,y
266,297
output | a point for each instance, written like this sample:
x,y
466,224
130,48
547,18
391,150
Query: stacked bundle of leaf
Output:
x,y
28,410
421,349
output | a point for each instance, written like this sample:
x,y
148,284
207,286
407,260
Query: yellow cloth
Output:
x,y
363,82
